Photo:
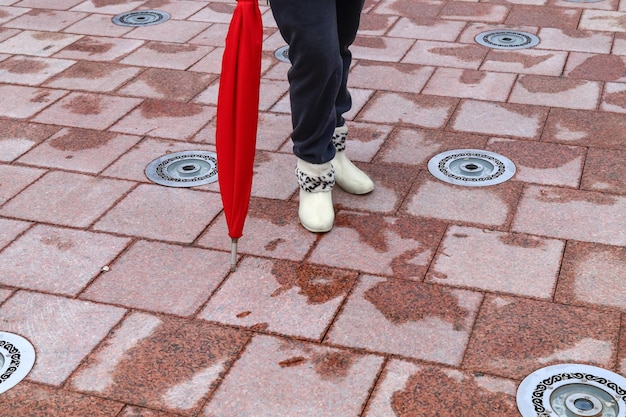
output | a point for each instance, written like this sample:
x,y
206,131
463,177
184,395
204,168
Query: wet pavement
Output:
x,y
426,299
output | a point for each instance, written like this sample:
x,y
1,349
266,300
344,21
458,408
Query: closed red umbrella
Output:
x,y
237,115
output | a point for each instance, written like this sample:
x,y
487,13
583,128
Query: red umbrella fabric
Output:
x,y
237,115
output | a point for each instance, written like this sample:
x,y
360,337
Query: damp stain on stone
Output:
x,y
333,365
48,36
217,7
431,389
467,53
243,314
616,99
85,104
3,14
155,4
176,84
576,34
522,241
527,61
23,66
416,11
373,42
88,71
90,45
294,361
81,139
318,284
600,68
152,109
58,242
402,301
105,3
274,244
552,85
472,77
172,48
276,212
566,196
373,22
42,97
530,154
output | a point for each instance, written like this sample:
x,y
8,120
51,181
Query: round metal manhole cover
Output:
x,y
282,54
141,18
471,167
507,39
572,390
184,169
17,357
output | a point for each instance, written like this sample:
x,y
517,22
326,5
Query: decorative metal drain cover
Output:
x,y
572,390
17,357
471,167
282,54
507,39
141,18
184,169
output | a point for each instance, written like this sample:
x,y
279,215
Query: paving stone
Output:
x,y
602,20
574,40
31,70
18,137
432,323
427,28
526,61
390,77
49,20
446,54
10,229
160,55
542,16
424,111
585,128
479,85
330,382
94,76
57,327
604,171
55,260
169,31
20,178
22,102
37,43
561,92
99,48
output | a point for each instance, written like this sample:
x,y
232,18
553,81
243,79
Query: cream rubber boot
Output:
x,y
316,202
347,175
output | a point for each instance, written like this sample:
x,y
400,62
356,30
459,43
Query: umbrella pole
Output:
x,y
233,255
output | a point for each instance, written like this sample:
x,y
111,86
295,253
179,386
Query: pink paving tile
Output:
x,y
408,389
80,150
10,229
417,146
556,92
314,380
280,296
427,29
602,20
170,31
619,43
592,275
5,294
474,12
212,62
31,71
504,341
7,33
428,318
465,83
178,9
597,67
585,128
272,132
54,260
572,214
160,277
166,119
52,199
45,4
364,140
94,76
274,175
499,119
34,400
163,363
215,12
9,13
391,186
530,61
99,25
411,8
160,55
214,35
500,262
132,165
50,20
18,137
171,214
37,43
97,48
378,48
391,77
46,320
613,97
376,25
22,102
446,54
542,163
373,243
168,84
412,109
20,178
604,171
543,16
87,110
604,5
272,229
488,206
575,40
108,7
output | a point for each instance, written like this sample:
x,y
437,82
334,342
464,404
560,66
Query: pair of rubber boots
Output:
x,y
316,182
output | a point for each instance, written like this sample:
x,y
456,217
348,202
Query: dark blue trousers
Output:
x,y
318,33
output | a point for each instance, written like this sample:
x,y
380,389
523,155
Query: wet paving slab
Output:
x,y
427,298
